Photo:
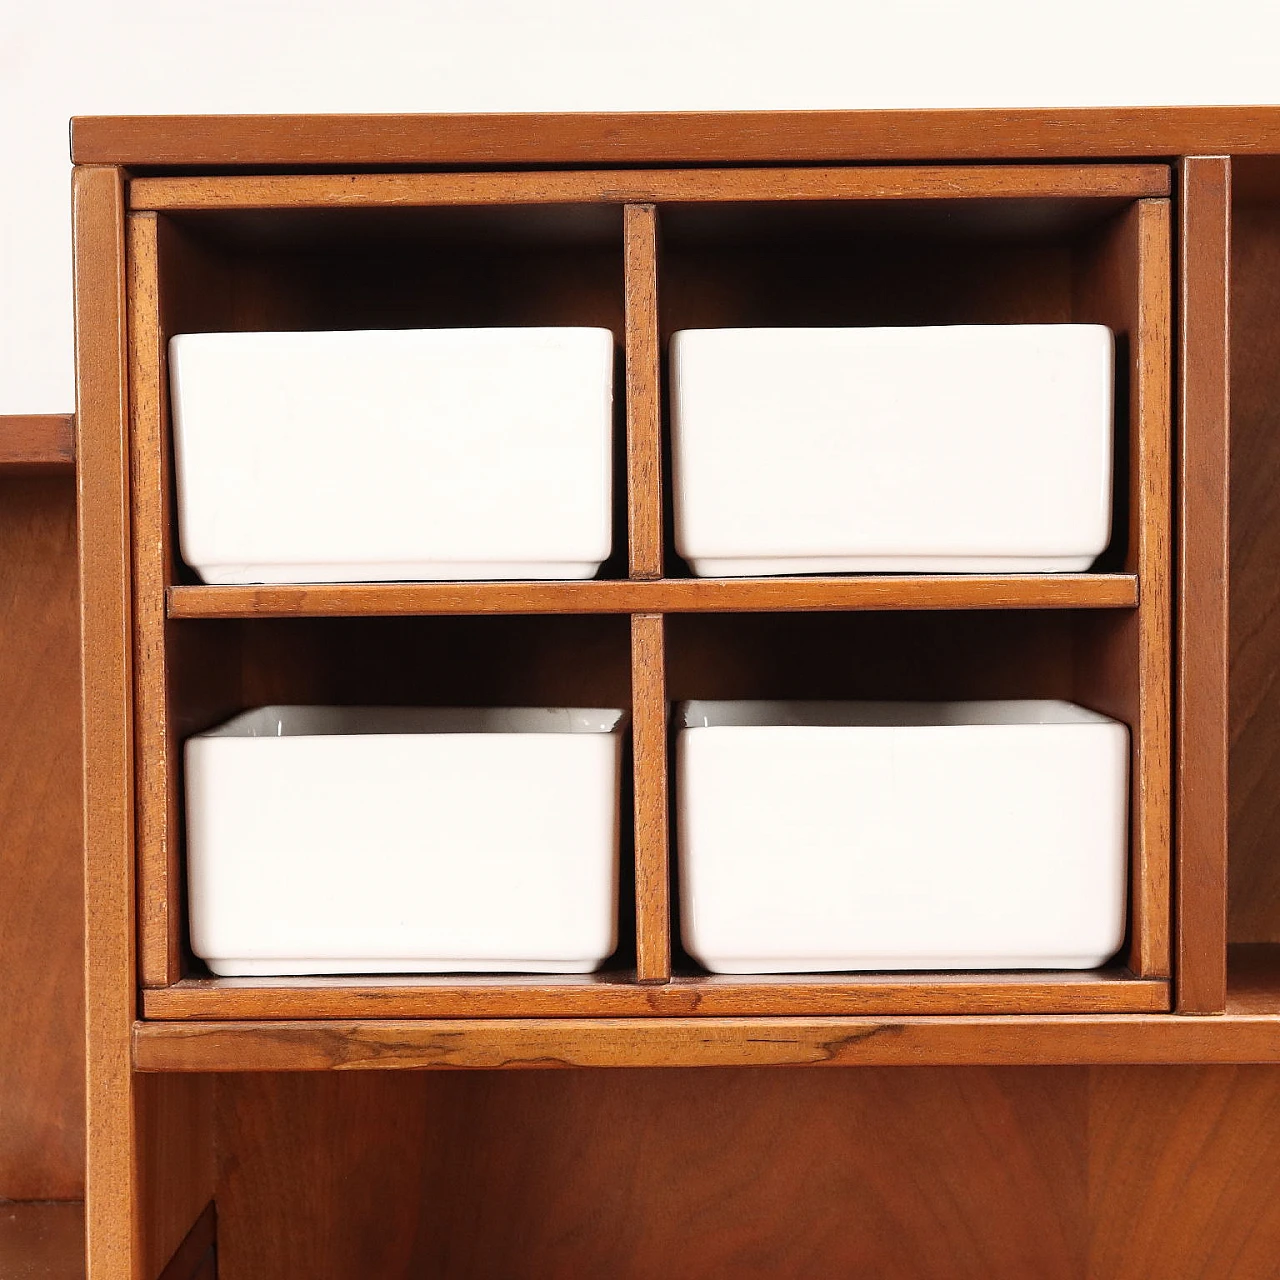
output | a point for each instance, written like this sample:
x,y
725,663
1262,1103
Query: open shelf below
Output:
x,y
41,1240
617,995
666,595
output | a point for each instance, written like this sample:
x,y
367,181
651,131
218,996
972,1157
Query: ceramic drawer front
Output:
x,y
844,836
348,840
966,449
393,455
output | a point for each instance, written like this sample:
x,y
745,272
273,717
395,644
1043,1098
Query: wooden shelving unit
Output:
x,y
304,1101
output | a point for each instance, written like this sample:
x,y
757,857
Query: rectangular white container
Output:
x,y
842,835
404,840
378,456
953,449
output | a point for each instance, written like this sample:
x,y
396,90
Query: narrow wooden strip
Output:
x,y
374,190
39,442
644,392
675,137
1152,517
618,996
694,1042
191,1258
159,946
1203,578
113,1212
672,595
649,752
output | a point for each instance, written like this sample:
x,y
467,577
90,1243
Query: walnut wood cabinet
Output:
x,y
1123,1123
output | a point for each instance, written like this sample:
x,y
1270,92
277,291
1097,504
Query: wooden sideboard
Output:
x,y
1118,1124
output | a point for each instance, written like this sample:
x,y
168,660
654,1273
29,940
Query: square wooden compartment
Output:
x,y
644,253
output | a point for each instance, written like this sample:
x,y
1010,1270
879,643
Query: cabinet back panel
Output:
x,y
41,878
1254,869
942,1173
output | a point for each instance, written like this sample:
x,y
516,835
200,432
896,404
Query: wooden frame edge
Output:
x,y
1203,549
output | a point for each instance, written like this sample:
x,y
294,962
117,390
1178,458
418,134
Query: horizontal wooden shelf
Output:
x,y
37,443
618,996
697,1042
374,190
671,137
667,595
42,1241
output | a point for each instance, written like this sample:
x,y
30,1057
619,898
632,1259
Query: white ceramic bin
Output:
x,y
833,836
953,449
394,840
394,455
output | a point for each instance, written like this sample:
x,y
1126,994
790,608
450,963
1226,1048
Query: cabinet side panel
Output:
x,y
1125,668
112,1210
41,872
159,943
643,391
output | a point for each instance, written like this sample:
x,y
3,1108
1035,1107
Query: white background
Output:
x,y
65,57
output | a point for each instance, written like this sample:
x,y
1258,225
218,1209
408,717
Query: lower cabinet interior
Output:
x,y
1069,1172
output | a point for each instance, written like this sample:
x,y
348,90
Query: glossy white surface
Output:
x,y
953,449
394,454
393,840
830,836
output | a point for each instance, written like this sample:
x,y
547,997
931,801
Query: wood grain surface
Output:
x,y
1121,1173
158,870
672,595
618,995
1123,281
113,1213
1203,584
640,187
31,443
652,829
1254,873
42,1241
680,137
1024,1040
41,871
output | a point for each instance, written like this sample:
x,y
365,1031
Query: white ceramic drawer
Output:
x,y
393,455
387,840
961,449
968,835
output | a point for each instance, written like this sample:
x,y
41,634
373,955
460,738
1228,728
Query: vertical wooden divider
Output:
x,y
645,557
158,917
1203,582
649,754
643,391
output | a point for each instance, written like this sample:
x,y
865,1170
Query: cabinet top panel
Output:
x,y
648,138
